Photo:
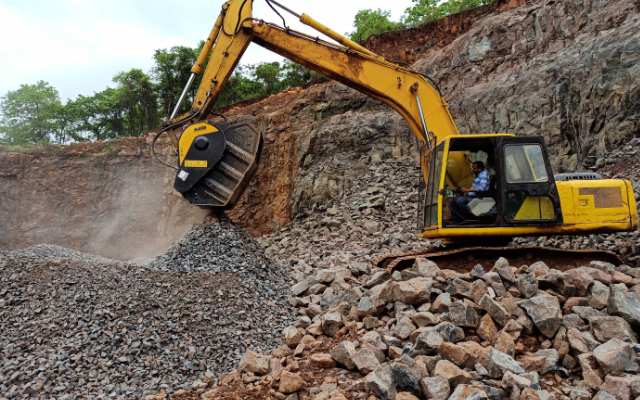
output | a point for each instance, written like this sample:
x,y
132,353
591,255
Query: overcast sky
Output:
x,y
77,46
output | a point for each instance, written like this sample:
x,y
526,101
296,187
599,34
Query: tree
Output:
x,y
269,75
135,96
30,114
171,72
430,10
96,117
370,22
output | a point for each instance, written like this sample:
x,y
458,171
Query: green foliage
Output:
x,y
30,115
135,95
370,22
171,72
138,103
425,11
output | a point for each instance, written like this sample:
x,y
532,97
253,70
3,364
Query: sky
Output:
x,y
77,46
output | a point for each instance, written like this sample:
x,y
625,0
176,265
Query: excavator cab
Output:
x,y
523,197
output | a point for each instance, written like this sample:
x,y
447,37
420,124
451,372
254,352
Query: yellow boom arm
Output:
x,y
400,87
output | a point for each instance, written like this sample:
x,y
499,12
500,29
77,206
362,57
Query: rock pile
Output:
x,y
520,332
376,216
78,326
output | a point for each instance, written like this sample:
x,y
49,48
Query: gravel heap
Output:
x,y
53,253
78,326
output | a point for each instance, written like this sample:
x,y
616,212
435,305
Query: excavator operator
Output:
x,y
459,212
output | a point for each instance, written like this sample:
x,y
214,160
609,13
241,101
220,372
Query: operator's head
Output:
x,y
478,167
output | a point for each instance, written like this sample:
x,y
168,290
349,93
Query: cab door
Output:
x,y
528,190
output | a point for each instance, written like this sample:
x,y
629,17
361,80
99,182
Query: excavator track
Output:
x,y
463,259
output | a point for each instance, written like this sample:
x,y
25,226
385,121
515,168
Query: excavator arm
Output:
x,y
400,87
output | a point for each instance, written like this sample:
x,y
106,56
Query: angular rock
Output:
x,y
494,280
378,278
576,341
510,380
452,373
290,382
579,279
527,285
614,355
598,295
367,306
404,328
321,360
292,336
624,304
495,310
462,314
381,382
441,303
326,276
254,363
504,270
609,327
590,371
374,339
427,342
477,289
436,388
551,359
532,363
407,374
456,354
449,332
503,342
415,291
469,392
497,363
366,360
425,268
487,329
331,323
425,319
545,312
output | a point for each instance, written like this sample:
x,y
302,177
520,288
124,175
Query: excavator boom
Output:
x,y
217,160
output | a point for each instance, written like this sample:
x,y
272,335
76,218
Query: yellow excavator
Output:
x,y
216,160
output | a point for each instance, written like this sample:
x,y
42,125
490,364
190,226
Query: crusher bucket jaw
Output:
x,y
217,160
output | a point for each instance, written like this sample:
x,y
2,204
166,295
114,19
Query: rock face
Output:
x,y
111,199
525,72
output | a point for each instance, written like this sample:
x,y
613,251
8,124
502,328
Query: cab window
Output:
x,y
524,163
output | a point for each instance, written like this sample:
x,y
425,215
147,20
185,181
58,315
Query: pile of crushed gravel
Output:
x,y
78,326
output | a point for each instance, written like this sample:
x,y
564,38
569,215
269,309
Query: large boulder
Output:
x,y
415,291
435,388
452,373
624,304
609,327
343,353
381,382
614,355
425,268
407,374
469,392
497,311
545,312
497,363
462,314
255,363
